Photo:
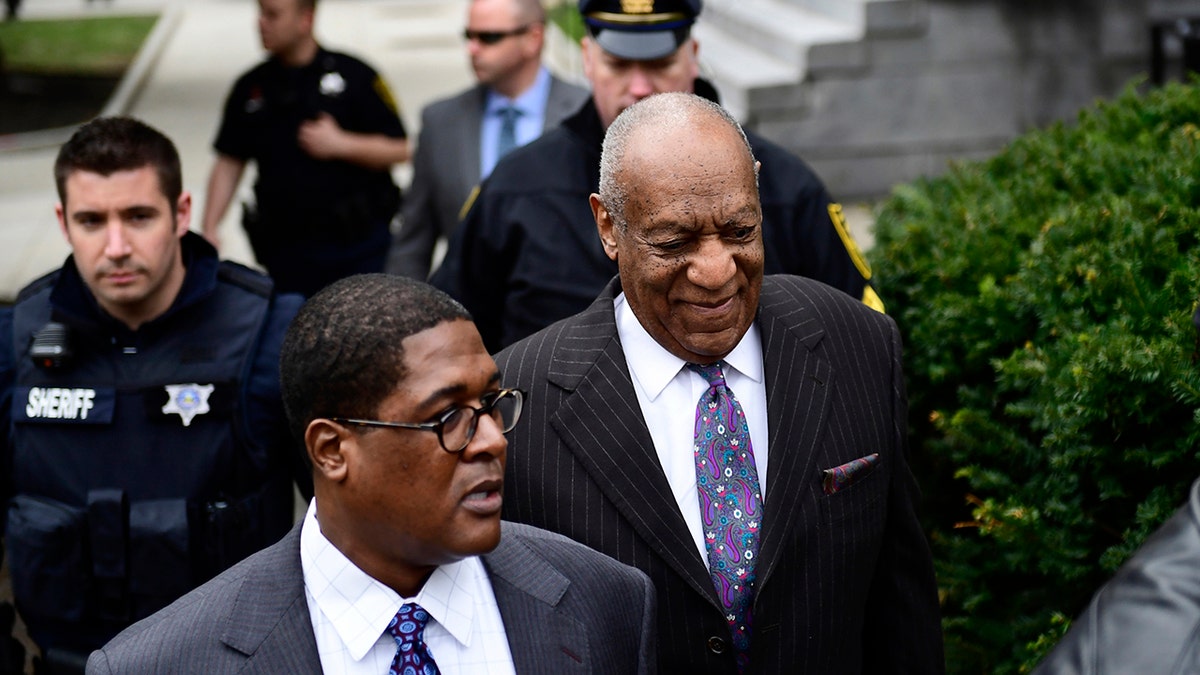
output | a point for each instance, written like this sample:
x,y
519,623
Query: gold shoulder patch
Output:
x,y
871,299
466,207
385,94
843,230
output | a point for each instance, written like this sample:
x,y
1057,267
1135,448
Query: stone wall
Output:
x,y
931,82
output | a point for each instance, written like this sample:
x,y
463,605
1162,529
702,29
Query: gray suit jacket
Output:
x,y
446,168
566,609
1146,619
845,576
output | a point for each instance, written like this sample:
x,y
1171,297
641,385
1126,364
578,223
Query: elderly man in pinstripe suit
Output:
x,y
834,574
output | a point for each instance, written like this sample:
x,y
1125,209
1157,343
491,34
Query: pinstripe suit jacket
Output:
x,y
446,168
845,580
566,609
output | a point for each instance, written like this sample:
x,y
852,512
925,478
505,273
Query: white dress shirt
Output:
x,y
350,613
668,392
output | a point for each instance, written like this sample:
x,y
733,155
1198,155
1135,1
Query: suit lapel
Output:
x,y
270,621
468,145
559,105
619,453
527,591
798,382
602,425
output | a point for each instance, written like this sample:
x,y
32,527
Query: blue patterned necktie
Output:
x,y
508,130
412,654
730,502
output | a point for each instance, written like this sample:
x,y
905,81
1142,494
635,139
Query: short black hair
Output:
x,y
343,353
107,145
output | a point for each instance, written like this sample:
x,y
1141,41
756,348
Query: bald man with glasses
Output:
x,y
513,101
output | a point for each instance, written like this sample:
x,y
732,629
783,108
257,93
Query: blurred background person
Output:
x,y
324,132
514,100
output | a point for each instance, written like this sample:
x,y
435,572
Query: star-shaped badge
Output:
x,y
187,400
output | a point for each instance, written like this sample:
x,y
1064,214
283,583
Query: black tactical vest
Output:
x,y
135,475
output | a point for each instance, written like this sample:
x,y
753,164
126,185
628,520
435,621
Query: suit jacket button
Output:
x,y
717,645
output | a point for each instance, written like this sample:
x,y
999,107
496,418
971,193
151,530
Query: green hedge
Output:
x,y
1046,300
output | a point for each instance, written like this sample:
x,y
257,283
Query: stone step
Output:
x,y
896,18
851,11
782,28
736,70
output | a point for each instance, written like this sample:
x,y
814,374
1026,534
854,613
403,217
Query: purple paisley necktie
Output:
x,y
412,654
730,502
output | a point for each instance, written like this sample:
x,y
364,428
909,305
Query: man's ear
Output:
x,y
183,213
328,444
537,39
694,60
60,212
604,226
585,47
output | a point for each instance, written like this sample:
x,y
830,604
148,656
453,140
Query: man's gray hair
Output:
x,y
663,111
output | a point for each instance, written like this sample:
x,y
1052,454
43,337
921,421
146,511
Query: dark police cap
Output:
x,y
640,30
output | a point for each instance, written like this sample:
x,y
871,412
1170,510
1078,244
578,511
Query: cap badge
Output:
x,y
637,6
187,400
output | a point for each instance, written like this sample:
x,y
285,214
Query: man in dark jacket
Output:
x,y
323,131
144,433
527,253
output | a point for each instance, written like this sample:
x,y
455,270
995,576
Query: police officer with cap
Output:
x,y
324,131
640,31
527,253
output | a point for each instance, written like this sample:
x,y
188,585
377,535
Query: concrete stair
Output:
x,y
751,47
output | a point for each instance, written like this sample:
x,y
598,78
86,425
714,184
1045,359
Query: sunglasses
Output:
x,y
491,37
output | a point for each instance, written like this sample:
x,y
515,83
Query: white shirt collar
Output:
x,y
653,367
528,102
360,607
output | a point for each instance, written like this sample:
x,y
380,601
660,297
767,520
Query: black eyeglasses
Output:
x,y
491,37
456,428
